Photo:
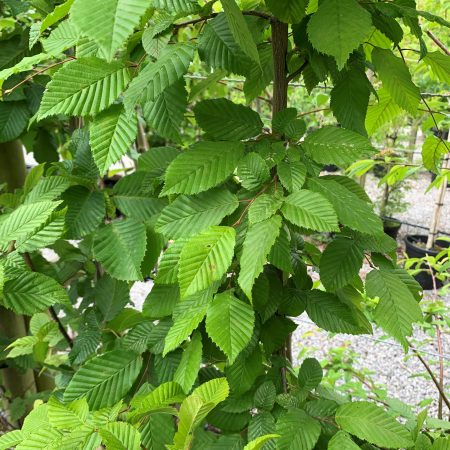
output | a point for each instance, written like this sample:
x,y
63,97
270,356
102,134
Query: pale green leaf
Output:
x,y
342,441
120,435
260,441
439,64
120,248
190,364
263,207
229,323
69,415
257,245
382,112
371,423
205,258
111,134
396,79
108,22
433,151
339,27
252,171
297,430
64,36
83,87
105,379
187,216
289,11
203,166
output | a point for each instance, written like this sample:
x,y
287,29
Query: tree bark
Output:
x,y
13,173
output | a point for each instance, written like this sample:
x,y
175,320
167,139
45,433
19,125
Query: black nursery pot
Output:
x,y
331,168
391,226
415,248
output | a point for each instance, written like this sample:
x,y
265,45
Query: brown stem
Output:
x,y
211,16
27,258
438,43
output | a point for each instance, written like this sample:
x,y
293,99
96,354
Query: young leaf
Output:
x,y
187,216
340,263
120,433
64,36
260,441
120,248
397,309
69,415
257,244
83,87
205,258
205,165
108,22
111,134
396,79
191,360
439,64
331,145
292,175
339,27
264,207
382,112
433,150
372,424
32,292
105,379
252,171
310,210
224,120
229,323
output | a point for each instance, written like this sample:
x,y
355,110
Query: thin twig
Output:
x,y
28,78
27,258
313,112
297,72
438,43
212,15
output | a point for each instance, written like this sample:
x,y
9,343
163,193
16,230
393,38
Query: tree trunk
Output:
x,y
279,102
13,173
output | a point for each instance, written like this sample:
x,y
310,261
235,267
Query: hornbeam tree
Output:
x,y
218,212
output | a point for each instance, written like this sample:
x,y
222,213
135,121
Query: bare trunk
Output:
x,y
412,140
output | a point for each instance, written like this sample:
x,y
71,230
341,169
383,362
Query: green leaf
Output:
x,y
190,364
177,6
260,441
157,431
350,99
25,220
187,216
13,120
263,208
382,112
105,379
258,242
68,416
205,165
156,77
292,175
265,396
156,161
47,188
310,210
331,145
239,29
252,171
342,441
339,27
397,309
289,11
262,423
166,112
41,438
340,263
196,407
310,374
64,36
351,211
83,87
439,64
229,323
205,258
433,151
187,315
109,23
218,48
111,134
57,14
329,313
371,423
159,399
120,435
32,292
133,195
297,431
120,248
245,370
85,211
224,120
169,263
259,77
111,296
396,79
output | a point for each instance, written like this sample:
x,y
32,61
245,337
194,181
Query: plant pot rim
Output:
x,y
411,241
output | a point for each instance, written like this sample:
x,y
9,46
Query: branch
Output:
x,y
29,263
212,15
438,43
297,72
